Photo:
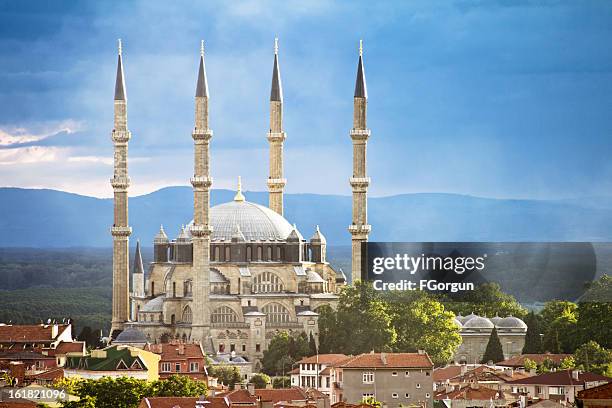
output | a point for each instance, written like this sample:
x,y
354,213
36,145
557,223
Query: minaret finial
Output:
x,y
202,48
276,45
119,46
239,196
360,48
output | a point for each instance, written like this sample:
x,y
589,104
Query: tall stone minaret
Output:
x,y
201,230
120,182
276,137
359,228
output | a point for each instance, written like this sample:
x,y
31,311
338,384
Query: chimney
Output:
x,y
383,358
421,351
463,369
181,349
251,388
575,375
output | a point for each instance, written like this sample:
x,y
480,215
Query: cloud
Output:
x,y
14,136
28,155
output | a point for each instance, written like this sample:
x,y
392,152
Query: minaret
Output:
x,y
120,182
138,279
276,137
359,228
201,230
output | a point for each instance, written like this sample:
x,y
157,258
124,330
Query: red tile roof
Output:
x,y
282,394
469,393
389,360
322,359
29,333
239,396
563,377
74,347
181,402
444,373
601,392
21,403
176,351
52,374
519,361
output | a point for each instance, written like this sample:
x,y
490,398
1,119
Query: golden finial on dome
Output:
x,y
239,196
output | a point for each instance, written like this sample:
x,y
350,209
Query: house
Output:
x,y
315,372
596,397
395,379
518,362
65,349
46,377
181,359
244,367
33,337
294,396
115,361
487,376
561,386
472,395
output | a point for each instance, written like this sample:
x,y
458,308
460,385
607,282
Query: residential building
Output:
x,y
33,337
180,358
518,362
561,386
395,379
596,397
315,372
244,367
473,395
492,377
115,361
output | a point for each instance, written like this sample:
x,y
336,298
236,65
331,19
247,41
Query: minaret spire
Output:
x,y
276,137
359,227
239,196
120,182
201,230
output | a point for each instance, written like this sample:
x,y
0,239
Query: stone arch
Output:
x,y
187,316
276,313
268,282
224,314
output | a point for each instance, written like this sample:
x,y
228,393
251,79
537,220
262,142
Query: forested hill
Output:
x,y
49,218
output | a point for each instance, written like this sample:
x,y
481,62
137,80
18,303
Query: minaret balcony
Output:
x,y
201,181
121,231
360,134
202,134
121,136
201,230
360,229
359,182
277,136
276,185
120,182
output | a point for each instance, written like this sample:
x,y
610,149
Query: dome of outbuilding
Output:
x,y
255,222
478,322
131,335
511,322
464,319
457,322
495,320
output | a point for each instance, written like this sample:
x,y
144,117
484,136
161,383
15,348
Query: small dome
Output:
x,y
154,305
161,237
318,237
511,322
131,335
495,320
295,235
184,235
313,277
478,322
464,319
458,322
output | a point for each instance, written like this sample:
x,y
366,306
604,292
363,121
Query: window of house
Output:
x,y
368,377
367,395
165,367
538,390
418,385
407,374
427,373
556,390
394,395
394,374
177,367
406,395
427,395
257,347
244,348
194,367
326,382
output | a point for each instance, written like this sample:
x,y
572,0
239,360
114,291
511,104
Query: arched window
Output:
x,y
249,255
217,254
227,254
275,313
223,314
267,282
173,289
172,319
186,315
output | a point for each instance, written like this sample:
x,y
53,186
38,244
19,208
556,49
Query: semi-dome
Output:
x,y
254,221
457,322
154,305
464,319
131,335
511,322
478,322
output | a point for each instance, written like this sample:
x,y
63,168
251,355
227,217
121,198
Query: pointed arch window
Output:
x,y
224,314
187,316
267,282
276,313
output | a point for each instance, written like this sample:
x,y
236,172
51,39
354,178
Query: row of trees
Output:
x,y
284,350
126,392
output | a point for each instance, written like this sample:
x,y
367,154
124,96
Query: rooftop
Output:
x,y
389,360
563,377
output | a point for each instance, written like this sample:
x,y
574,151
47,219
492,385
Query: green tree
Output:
x,y
595,313
533,338
593,358
179,386
327,329
312,345
530,364
107,392
422,323
302,349
227,375
276,359
260,380
494,351
567,363
560,320
281,382
486,299
371,401
83,402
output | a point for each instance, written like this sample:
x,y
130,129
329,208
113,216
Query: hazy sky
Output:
x,y
496,99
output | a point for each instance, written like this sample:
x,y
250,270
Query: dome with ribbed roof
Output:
x,y
131,335
478,322
511,322
255,222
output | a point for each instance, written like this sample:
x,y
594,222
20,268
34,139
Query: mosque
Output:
x,y
239,272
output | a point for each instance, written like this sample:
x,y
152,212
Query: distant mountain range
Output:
x,y
50,218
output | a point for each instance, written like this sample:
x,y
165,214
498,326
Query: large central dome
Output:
x,y
255,221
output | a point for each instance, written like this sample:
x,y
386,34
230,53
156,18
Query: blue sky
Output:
x,y
509,99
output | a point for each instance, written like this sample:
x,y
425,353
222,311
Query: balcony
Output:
x,y
288,325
